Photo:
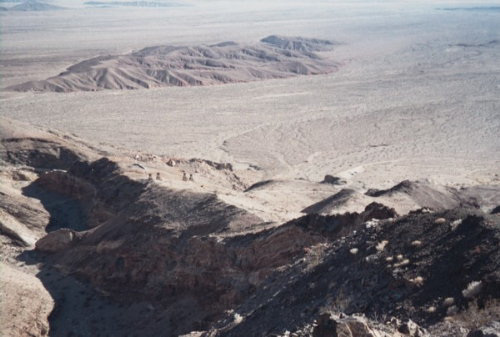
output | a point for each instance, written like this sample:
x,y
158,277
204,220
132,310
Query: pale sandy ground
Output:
x,y
410,102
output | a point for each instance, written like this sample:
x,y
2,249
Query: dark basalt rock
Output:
x,y
329,179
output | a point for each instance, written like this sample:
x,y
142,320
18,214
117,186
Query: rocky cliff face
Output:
x,y
120,252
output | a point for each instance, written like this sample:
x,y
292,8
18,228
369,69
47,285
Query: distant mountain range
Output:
x,y
228,62
474,9
132,3
33,5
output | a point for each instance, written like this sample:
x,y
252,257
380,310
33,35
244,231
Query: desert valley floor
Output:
x,y
406,100
377,108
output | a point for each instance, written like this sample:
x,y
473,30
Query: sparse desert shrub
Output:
x,y
475,317
381,245
237,318
448,301
473,289
455,224
314,255
452,310
402,263
416,243
431,309
418,281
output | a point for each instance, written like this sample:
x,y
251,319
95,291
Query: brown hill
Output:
x,y
273,57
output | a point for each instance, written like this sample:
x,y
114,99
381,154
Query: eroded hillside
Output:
x,y
138,245
227,62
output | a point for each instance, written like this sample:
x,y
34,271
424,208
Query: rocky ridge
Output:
x,y
136,246
228,62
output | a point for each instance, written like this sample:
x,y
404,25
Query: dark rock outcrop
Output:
x,y
327,327
421,264
329,179
56,241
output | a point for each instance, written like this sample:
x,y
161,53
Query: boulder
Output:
x,y
376,210
410,328
56,241
329,179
